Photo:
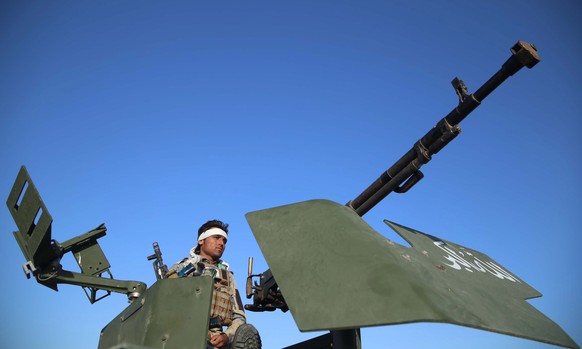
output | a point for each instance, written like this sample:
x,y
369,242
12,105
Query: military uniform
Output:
x,y
226,309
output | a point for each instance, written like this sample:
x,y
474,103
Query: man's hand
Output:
x,y
218,340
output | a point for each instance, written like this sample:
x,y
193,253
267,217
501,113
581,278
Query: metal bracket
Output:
x,y
422,153
29,268
43,254
92,294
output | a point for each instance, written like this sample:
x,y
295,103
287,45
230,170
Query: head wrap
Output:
x,y
212,232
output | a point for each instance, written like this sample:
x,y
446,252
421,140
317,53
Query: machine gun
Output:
x,y
363,279
405,172
160,269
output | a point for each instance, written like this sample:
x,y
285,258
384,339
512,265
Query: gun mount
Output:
x,y
43,254
266,293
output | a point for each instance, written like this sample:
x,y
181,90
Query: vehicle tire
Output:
x,y
247,337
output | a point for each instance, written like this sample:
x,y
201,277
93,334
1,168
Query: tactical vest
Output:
x,y
224,291
223,295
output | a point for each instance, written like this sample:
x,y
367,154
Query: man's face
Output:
x,y
213,247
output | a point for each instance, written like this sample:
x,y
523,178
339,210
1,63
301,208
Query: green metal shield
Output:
x,y
336,272
173,313
32,219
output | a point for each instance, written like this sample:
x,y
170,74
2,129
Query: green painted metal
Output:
x,y
43,254
32,219
87,252
171,314
336,272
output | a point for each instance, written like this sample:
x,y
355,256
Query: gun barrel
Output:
x,y
405,173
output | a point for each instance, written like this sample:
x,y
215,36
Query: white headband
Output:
x,y
211,232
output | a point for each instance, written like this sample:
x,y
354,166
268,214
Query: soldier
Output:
x,y
226,309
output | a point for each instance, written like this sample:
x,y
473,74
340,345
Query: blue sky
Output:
x,y
154,117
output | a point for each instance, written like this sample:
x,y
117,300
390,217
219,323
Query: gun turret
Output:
x,y
405,173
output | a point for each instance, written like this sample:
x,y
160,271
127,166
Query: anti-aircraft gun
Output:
x,y
400,284
434,281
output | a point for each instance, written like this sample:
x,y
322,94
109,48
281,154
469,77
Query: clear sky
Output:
x,y
153,117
